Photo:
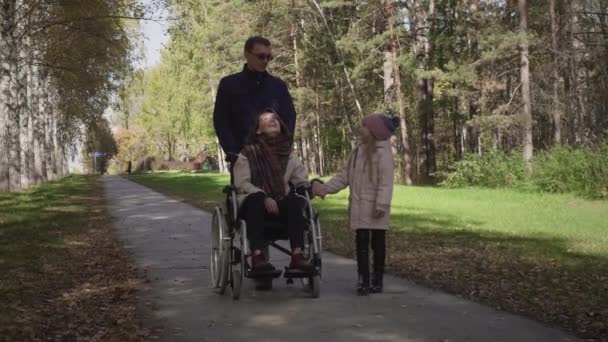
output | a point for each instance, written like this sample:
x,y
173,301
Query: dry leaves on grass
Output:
x,y
546,290
86,291
493,274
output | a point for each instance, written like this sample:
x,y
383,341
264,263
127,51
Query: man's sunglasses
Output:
x,y
263,56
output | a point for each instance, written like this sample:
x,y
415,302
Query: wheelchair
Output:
x,y
230,248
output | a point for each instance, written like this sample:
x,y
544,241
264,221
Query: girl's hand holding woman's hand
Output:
x,y
319,189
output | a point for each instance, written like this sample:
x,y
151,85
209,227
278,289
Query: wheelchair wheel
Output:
x,y
315,286
238,265
219,256
237,282
317,261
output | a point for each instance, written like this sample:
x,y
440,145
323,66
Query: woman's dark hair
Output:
x,y
253,132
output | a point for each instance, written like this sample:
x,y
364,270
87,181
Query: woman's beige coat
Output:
x,y
371,185
294,173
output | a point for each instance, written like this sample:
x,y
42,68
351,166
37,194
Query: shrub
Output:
x,y
579,170
582,170
493,170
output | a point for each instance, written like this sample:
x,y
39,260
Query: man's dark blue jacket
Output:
x,y
239,97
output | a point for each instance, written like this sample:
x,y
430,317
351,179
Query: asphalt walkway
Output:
x,y
169,240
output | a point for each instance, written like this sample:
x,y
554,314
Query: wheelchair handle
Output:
x,y
231,157
301,190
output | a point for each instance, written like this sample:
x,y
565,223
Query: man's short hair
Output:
x,y
255,40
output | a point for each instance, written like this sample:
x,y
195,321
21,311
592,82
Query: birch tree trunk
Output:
x,y
556,108
9,88
39,125
5,94
525,81
473,107
319,141
48,142
23,109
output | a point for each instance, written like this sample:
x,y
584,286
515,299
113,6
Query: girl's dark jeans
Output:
x,y
378,244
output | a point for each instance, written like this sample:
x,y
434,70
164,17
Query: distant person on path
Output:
x,y
369,174
262,172
240,96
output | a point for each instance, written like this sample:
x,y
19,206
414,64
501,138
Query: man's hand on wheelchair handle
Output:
x,y
271,206
231,157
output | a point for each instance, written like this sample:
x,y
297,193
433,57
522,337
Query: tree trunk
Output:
x,y
30,121
48,138
424,86
525,89
387,67
318,133
394,76
473,109
458,128
5,94
350,129
557,112
52,137
40,127
221,157
13,129
22,105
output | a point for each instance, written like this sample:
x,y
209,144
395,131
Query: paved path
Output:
x,y
170,241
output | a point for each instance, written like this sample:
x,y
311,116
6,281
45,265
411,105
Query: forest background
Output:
x,y
490,93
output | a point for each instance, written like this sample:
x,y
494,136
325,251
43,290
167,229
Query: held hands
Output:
x,y
319,189
271,206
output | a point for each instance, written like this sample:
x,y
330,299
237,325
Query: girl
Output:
x,y
369,174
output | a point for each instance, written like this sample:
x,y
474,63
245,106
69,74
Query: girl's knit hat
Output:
x,y
380,125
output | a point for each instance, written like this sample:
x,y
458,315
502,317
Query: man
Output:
x,y
241,95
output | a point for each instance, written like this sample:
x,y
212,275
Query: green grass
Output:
x,y
60,266
580,225
37,223
542,255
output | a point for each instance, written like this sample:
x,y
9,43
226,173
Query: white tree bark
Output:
x,y
39,125
557,112
525,81
23,109
14,163
5,95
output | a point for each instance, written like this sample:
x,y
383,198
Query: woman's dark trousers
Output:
x,y
291,214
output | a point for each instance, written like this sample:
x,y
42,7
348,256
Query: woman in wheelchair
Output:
x,y
262,172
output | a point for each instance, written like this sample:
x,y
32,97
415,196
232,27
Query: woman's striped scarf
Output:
x,y
268,157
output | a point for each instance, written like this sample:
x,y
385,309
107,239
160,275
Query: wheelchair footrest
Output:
x,y
261,275
295,273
